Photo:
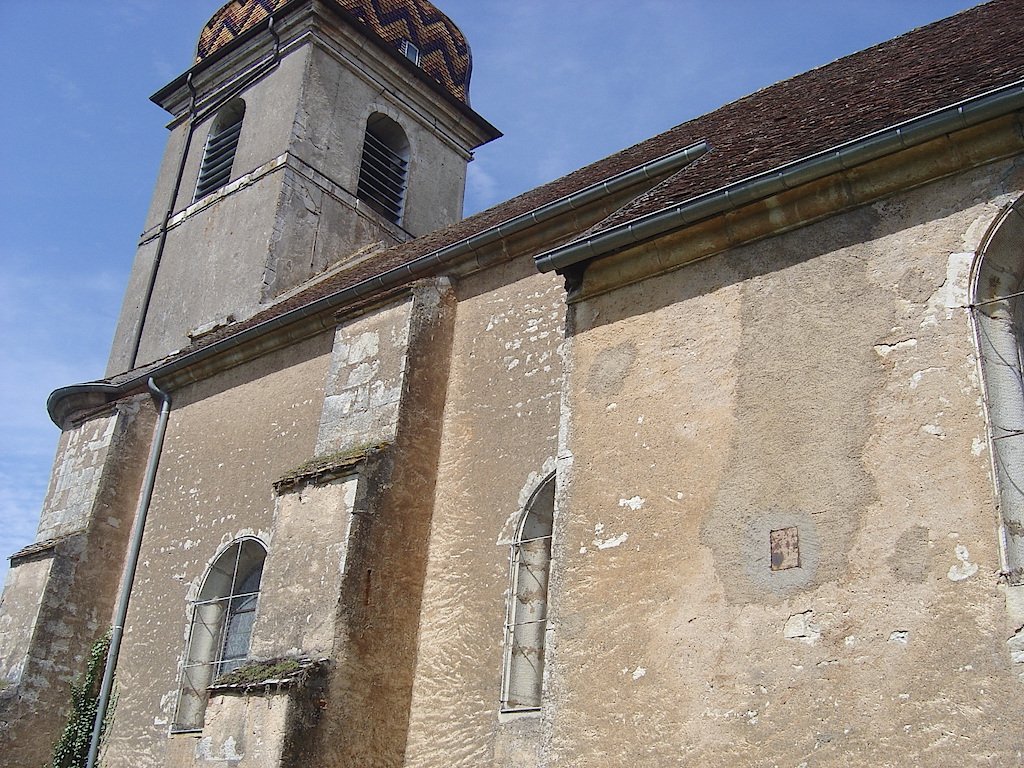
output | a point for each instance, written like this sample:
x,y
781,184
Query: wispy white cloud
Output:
x,y
481,187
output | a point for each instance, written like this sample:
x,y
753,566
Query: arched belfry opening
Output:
x,y
997,305
384,167
219,155
273,171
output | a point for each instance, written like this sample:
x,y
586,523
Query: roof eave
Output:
x,y
969,112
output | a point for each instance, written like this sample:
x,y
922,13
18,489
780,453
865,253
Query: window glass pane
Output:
x,y
527,623
222,622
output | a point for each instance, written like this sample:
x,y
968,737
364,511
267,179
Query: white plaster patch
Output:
x,y
634,503
964,569
915,379
899,636
366,346
205,751
612,542
977,446
801,626
953,293
883,350
932,429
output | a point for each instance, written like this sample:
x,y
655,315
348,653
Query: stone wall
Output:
x,y
60,591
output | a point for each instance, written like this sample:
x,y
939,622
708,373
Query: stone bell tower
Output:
x,y
305,131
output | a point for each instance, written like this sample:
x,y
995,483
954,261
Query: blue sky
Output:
x,y
568,82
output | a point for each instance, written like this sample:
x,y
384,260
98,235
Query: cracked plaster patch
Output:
x,y
883,350
954,291
801,626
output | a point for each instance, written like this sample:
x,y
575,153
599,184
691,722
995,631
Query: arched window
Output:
x,y
384,167
222,619
998,310
527,622
220,149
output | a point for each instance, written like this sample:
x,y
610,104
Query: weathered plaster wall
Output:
x,y
500,436
824,381
228,439
60,591
371,677
302,578
258,745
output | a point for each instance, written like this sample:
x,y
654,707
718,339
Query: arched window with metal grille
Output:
x,y
221,146
383,170
527,622
997,309
222,619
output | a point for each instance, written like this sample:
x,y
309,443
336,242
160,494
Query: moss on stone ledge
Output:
x,y
281,672
321,468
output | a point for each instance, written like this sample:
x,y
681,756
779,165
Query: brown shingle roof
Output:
x,y
923,70
931,67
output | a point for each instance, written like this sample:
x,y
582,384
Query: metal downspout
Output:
x,y
129,574
151,282
194,117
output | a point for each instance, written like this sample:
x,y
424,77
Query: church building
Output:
x,y
710,453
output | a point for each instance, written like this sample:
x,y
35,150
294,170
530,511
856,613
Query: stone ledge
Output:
x,y
321,469
269,675
40,549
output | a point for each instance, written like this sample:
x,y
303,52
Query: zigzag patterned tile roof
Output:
x,y
444,52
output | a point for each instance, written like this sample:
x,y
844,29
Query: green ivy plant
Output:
x,y
72,749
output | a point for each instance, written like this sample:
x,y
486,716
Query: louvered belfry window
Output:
x,y
220,149
527,622
384,167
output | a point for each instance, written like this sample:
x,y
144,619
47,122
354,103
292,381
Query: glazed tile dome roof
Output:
x,y
444,52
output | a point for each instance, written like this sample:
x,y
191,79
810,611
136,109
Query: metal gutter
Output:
x,y
963,114
95,394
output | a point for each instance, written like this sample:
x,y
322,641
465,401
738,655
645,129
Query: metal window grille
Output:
x,y
526,624
222,621
382,175
219,156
